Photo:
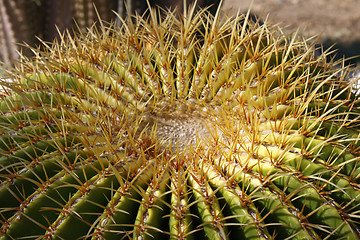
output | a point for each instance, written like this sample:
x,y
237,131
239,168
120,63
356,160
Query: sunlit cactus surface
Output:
x,y
186,126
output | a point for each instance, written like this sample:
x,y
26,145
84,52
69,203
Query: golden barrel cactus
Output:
x,y
180,127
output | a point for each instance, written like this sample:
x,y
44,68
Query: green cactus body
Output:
x,y
190,128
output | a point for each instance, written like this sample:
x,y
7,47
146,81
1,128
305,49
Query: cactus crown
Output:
x,y
179,127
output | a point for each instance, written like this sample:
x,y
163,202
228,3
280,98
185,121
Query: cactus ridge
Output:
x,y
179,128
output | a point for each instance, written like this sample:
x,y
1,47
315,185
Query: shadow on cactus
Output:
x,y
181,128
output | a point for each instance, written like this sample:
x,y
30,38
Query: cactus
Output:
x,y
22,21
179,128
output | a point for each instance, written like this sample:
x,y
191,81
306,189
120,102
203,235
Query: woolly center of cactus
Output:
x,y
178,127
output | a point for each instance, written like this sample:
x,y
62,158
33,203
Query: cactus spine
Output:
x,y
179,128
